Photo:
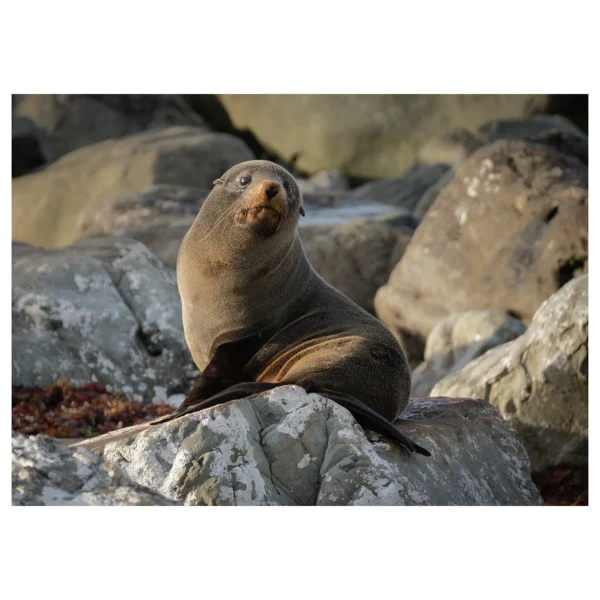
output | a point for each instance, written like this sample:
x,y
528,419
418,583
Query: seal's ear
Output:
x,y
218,181
302,211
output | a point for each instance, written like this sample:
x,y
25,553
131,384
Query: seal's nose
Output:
x,y
272,189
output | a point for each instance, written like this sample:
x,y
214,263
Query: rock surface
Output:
x,y
355,257
67,122
292,448
539,381
454,148
47,473
26,152
159,216
405,191
518,129
362,135
58,194
451,149
101,310
457,340
572,144
508,231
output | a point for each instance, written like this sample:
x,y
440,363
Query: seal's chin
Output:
x,y
262,219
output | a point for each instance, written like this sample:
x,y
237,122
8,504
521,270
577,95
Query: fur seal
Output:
x,y
256,315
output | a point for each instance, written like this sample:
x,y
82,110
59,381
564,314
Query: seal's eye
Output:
x,y
245,180
287,186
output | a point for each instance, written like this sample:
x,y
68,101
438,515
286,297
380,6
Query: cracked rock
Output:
x,y
539,382
508,231
287,447
104,310
47,473
459,339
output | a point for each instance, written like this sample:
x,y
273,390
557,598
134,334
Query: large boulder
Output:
x,y
507,232
67,122
364,135
101,310
457,340
355,257
47,473
47,204
286,447
418,187
539,382
159,216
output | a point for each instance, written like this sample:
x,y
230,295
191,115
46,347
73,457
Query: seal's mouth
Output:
x,y
258,210
262,218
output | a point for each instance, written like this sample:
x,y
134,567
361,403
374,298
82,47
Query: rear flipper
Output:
x,y
369,419
366,417
235,392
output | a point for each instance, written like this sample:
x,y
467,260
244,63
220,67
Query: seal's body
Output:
x,y
256,315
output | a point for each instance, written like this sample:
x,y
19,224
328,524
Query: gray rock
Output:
x,y
67,122
430,195
26,152
58,194
572,144
405,191
286,447
518,129
457,340
331,180
454,148
370,136
47,473
507,232
101,310
323,182
450,149
539,382
355,257
159,216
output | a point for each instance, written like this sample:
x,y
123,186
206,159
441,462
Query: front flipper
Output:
x,y
369,419
225,369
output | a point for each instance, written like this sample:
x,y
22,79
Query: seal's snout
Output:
x,y
270,194
264,205
271,189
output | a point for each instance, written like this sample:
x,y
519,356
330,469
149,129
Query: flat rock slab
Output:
x,y
287,447
47,473
101,310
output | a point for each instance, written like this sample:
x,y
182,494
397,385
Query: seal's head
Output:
x,y
263,196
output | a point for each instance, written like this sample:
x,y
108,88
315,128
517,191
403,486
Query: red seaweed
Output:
x,y
64,411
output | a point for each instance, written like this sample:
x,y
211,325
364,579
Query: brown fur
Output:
x,y
255,313
313,334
